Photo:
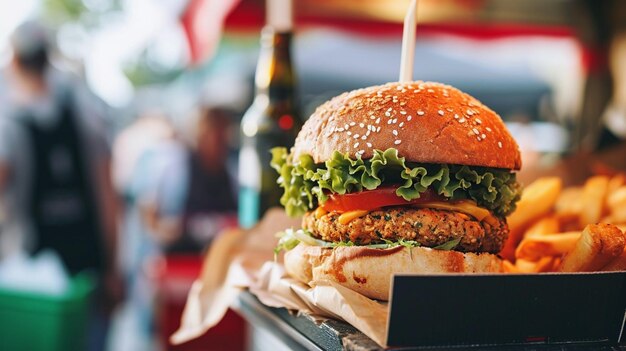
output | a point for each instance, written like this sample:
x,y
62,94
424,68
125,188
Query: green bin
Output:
x,y
38,322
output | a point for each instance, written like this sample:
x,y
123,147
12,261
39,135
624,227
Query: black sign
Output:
x,y
462,310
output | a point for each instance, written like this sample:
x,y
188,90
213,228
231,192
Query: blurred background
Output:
x,y
157,89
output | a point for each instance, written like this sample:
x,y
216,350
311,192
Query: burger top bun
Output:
x,y
426,122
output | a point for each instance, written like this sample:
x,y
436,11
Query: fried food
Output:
x,y
594,197
429,227
533,248
599,244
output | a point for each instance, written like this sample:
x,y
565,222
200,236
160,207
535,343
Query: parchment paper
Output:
x,y
241,259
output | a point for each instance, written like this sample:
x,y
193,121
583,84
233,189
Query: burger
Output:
x,y
413,177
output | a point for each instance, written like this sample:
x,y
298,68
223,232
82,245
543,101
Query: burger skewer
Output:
x,y
408,43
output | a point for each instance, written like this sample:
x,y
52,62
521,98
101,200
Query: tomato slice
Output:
x,y
368,200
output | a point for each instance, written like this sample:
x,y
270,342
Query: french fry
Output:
x,y
533,248
546,264
616,182
598,245
537,200
593,198
547,225
570,201
616,203
568,222
525,266
509,267
618,264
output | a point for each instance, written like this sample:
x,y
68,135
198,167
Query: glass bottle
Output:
x,y
272,120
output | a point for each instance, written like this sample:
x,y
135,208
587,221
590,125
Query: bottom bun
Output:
x,y
369,271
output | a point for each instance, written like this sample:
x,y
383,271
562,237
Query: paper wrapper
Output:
x,y
241,259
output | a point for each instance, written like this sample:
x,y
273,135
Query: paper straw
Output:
x,y
408,43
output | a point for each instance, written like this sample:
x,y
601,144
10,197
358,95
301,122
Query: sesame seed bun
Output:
x,y
427,122
369,271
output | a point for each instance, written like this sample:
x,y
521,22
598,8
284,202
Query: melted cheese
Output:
x,y
467,207
463,206
320,212
347,217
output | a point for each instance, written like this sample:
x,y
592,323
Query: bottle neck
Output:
x,y
274,74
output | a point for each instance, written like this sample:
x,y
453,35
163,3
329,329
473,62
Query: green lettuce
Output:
x,y
290,238
307,184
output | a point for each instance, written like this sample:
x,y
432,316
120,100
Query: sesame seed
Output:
x,y
346,127
401,124
356,145
361,125
449,109
368,133
462,120
373,117
403,103
387,114
395,120
349,133
403,112
500,144
369,144
364,137
409,118
420,112
440,112
469,112
479,139
478,120
377,129
377,120
476,131
483,136
430,91
389,121
397,142
340,129
456,116
356,136
488,129
395,132
352,124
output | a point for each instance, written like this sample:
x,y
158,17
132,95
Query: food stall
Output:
x,y
553,237
407,174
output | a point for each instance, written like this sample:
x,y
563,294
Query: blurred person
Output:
x,y
208,204
149,164
601,27
177,197
614,117
55,185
